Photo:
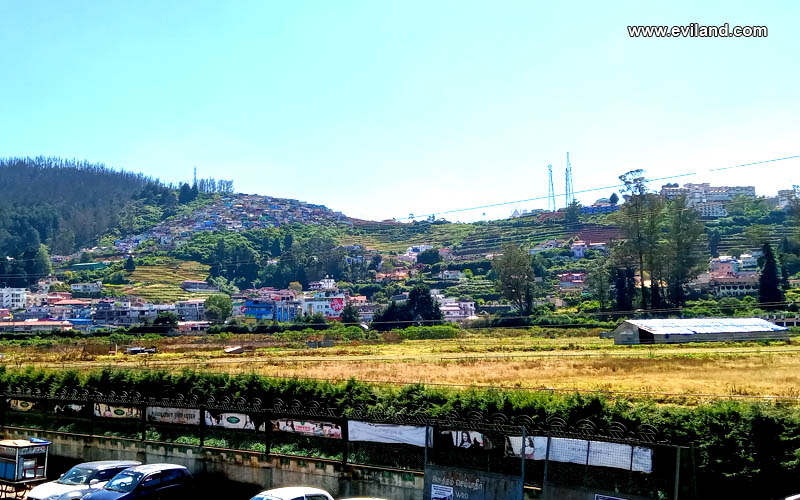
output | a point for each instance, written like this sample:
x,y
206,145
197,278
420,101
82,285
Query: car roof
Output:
x,y
293,491
109,464
146,469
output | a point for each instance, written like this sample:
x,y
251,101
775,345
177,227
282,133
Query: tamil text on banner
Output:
x,y
187,416
386,433
308,428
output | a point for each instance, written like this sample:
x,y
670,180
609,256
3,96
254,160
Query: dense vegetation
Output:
x,y
743,449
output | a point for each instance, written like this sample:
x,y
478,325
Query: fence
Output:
x,y
549,455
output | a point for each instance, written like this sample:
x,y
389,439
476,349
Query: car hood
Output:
x,y
107,495
53,488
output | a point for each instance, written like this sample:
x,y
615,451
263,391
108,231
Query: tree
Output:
x,y
422,307
195,191
515,277
598,281
218,307
634,187
769,291
167,320
295,286
350,315
430,256
275,251
130,265
184,194
613,199
288,240
683,259
714,239
86,257
756,235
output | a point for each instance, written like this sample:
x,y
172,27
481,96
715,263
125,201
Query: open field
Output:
x,y
564,363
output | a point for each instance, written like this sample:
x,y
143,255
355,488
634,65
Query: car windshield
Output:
x,y
77,475
125,481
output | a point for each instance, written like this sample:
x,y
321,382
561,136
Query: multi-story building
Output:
x,y
711,210
191,310
95,287
706,193
268,309
13,298
734,284
724,264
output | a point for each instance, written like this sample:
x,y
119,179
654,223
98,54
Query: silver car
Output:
x,y
80,480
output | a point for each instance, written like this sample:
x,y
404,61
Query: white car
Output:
x,y
80,480
294,493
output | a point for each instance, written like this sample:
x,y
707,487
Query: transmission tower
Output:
x,y
569,194
195,175
551,194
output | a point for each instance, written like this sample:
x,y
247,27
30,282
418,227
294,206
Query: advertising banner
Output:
x,y
232,421
446,483
110,411
535,447
386,433
68,409
308,428
467,439
187,416
20,404
600,453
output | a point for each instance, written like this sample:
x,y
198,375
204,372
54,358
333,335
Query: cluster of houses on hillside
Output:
x,y
236,213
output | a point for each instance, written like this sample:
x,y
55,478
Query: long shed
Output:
x,y
677,331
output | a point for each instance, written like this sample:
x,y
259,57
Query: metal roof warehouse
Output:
x,y
674,331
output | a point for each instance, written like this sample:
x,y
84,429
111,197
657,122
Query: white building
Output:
x,y
13,298
449,274
748,261
328,303
95,287
712,210
579,249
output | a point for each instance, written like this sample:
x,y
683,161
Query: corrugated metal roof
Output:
x,y
705,325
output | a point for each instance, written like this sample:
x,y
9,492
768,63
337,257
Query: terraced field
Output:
x,y
162,282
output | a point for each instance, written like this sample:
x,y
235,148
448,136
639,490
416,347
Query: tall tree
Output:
x,y
218,307
614,198
634,188
515,277
350,315
422,307
184,194
275,250
714,239
130,265
683,258
598,281
769,290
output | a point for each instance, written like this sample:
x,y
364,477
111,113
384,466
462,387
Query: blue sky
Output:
x,y
383,108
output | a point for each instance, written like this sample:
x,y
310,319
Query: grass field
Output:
x,y
161,282
581,362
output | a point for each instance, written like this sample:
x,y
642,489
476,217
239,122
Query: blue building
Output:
x,y
599,209
256,310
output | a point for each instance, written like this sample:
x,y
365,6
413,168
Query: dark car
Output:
x,y
153,482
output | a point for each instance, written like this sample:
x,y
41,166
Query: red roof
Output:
x,y
71,302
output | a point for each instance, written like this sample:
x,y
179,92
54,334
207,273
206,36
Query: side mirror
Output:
x,y
62,475
92,482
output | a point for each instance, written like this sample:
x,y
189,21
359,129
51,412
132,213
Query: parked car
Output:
x,y
140,350
153,482
80,479
294,493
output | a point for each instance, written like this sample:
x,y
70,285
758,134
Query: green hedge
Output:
x,y
743,449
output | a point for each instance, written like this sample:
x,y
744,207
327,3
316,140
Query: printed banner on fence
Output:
x,y
577,451
232,421
386,433
187,416
535,447
308,428
467,439
111,411
69,409
20,404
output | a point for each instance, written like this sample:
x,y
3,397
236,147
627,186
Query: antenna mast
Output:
x,y
569,194
551,194
195,175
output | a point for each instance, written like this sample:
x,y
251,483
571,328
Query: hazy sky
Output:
x,y
382,108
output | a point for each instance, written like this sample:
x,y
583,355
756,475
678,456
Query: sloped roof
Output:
x,y
705,325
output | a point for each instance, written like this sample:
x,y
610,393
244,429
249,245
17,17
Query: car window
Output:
x,y
152,480
77,475
106,474
316,497
170,476
299,498
124,482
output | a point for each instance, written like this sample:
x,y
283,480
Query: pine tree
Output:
x,y
769,291
130,265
